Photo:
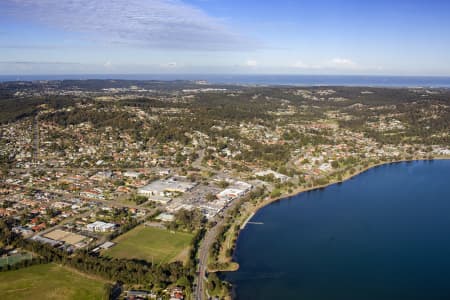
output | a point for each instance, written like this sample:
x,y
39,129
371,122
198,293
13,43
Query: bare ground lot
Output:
x,y
65,236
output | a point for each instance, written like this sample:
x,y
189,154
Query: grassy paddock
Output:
x,y
49,281
150,243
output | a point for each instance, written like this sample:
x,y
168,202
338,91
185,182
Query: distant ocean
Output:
x,y
299,80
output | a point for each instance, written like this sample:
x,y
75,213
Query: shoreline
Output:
x,y
247,220
320,187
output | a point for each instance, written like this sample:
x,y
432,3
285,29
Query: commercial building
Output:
x,y
230,194
99,226
166,187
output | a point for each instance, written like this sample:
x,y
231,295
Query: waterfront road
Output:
x,y
200,292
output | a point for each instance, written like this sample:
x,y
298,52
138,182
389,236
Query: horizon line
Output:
x,y
226,74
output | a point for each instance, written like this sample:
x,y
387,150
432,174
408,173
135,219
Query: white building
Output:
x,y
165,217
131,174
99,226
230,194
325,167
241,185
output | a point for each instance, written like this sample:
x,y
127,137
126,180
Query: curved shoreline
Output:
x,y
304,190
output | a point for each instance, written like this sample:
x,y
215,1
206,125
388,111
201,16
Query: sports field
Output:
x,y
49,281
151,244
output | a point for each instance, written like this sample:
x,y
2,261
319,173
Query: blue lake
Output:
x,y
383,235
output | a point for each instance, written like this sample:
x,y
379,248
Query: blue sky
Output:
x,y
225,36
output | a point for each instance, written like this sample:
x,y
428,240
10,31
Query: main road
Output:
x,y
203,253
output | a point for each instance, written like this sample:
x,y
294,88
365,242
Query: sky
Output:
x,y
225,37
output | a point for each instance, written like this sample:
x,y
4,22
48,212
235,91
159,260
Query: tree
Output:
x,y
210,197
187,220
335,164
223,184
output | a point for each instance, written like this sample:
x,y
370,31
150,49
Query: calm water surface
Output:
x,y
301,80
382,235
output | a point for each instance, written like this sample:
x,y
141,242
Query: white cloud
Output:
x,y
108,64
251,63
300,64
168,24
330,65
343,63
170,65
307,66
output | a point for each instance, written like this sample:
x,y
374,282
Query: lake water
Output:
x,y
383,235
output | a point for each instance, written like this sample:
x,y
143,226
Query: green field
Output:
x,y
49,281
151,243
